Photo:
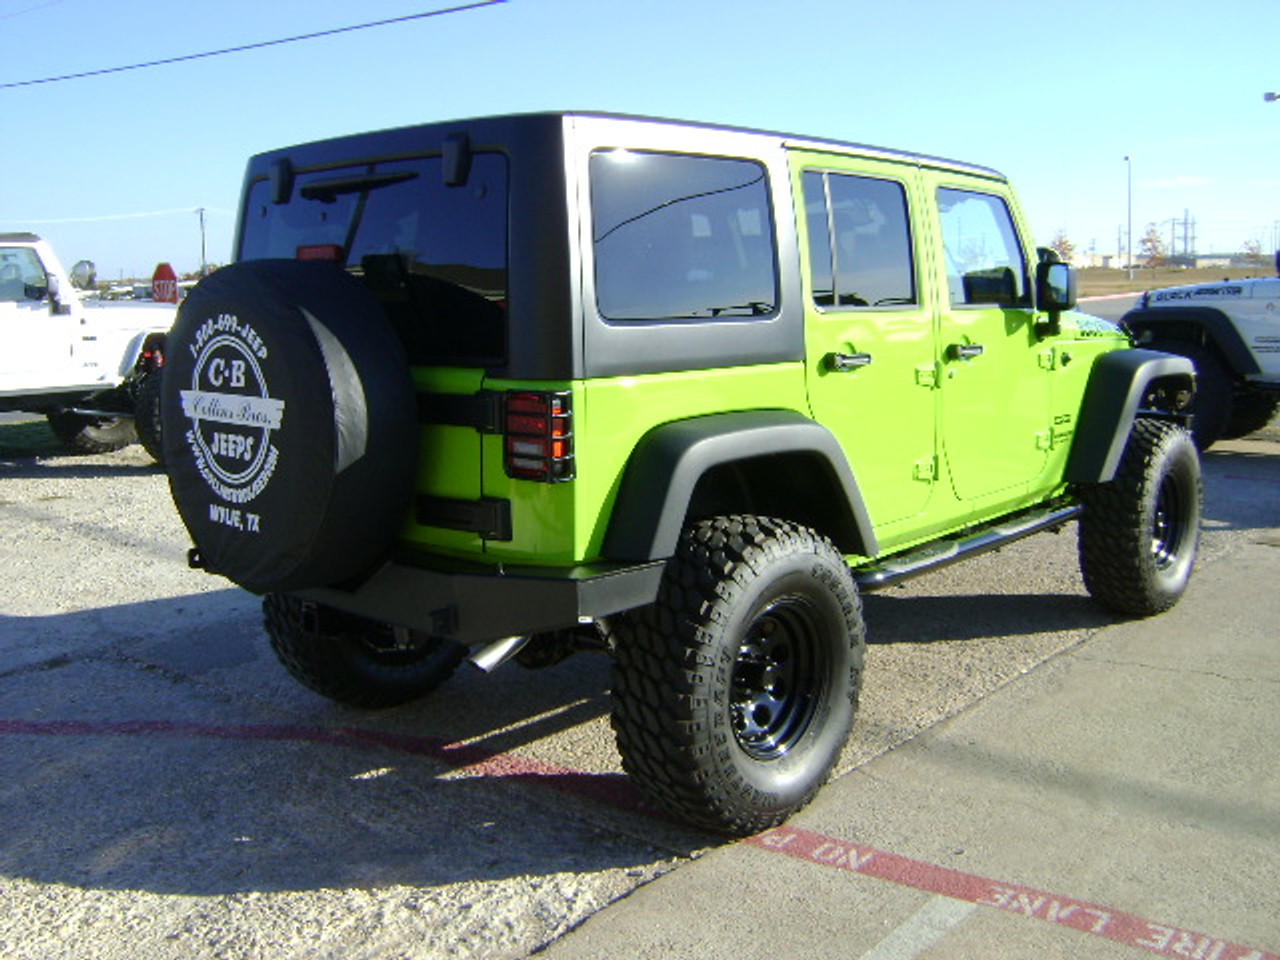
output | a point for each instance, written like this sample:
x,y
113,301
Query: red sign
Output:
x,y
164,284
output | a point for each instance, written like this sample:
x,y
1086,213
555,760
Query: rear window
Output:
x,y
435,254
681,237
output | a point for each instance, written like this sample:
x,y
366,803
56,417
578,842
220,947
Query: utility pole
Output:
x,y
203,265
1129,249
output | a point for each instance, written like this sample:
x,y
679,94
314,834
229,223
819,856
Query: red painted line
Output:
x,y
615,791
609,789
1090,918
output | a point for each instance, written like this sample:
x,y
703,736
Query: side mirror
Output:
x,y
1055,292
1055,287
56,306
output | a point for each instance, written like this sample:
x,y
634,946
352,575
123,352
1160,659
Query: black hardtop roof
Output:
x,y
792,141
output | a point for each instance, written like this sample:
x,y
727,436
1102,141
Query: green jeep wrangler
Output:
x,y
519,386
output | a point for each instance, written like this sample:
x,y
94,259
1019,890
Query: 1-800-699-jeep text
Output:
x,y
522,385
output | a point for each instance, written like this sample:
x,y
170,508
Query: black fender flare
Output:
x,y
659,481
1214,326
1117,385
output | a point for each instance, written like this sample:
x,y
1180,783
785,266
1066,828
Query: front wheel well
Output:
x,y
1205,327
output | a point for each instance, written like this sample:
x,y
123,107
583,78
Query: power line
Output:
x,y
254,46
38,6
120,216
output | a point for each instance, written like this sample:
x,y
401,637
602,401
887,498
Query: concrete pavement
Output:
x,y
1122,798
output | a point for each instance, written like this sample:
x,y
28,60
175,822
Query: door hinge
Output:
x,y
1045,357
1044,440
926,375
926,469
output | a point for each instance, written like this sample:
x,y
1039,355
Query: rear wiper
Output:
x,y
755,308
326,191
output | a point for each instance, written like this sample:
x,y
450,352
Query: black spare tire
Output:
x,y
289,425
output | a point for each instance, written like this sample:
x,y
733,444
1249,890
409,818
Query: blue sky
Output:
x,y
111,168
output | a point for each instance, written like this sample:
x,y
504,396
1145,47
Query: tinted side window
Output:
x,y
681,237
435,254
22,275
859,241
984,259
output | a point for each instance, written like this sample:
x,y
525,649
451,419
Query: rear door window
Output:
x,y
859,241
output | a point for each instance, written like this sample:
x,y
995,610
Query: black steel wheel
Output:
x,y
1140,532
735,691
354,661
778,679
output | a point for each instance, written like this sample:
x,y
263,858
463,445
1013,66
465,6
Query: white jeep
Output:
x,y
1231,332
92,369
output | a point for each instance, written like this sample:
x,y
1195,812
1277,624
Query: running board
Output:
x,y
940,554
103,414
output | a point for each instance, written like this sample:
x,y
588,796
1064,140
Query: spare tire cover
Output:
x,y
289,425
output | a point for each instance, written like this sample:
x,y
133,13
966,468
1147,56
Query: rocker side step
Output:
x,y
934,556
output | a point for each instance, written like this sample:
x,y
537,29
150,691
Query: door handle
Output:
x,y
964,351
844,362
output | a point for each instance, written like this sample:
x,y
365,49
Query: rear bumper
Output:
x,y
475,605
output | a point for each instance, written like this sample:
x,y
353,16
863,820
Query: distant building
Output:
x,y
1081,260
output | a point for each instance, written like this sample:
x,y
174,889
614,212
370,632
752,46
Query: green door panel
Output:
x,y
995,388
870,336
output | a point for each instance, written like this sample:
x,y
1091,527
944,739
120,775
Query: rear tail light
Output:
x,y
539,437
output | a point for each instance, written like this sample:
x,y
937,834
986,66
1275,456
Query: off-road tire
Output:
x,y
89,435
1215,391
1139,532
734,692
1250,412
146,414
355,663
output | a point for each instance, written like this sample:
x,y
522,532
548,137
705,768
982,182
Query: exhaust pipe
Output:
x,y
493,655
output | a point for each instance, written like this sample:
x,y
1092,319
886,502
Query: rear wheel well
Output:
x,y
151,356
796,486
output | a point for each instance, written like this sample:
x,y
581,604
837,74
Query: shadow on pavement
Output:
x,y
159,747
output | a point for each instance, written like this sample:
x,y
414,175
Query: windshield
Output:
x,y
436,255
